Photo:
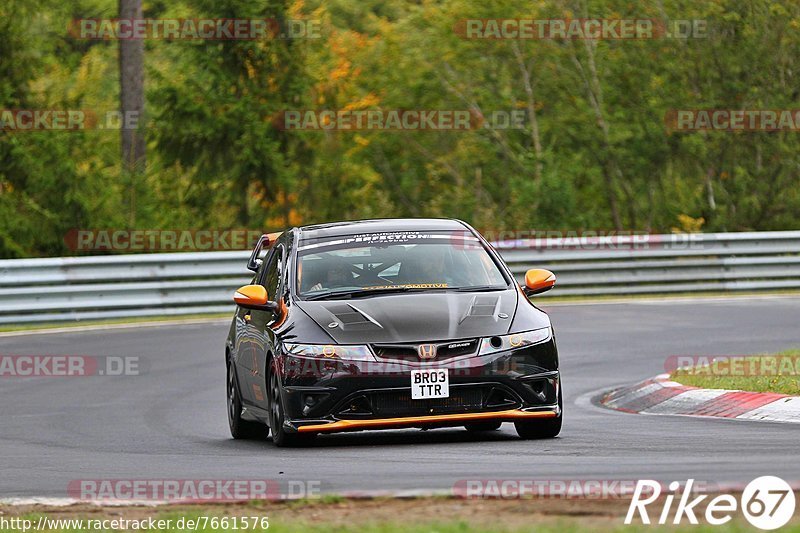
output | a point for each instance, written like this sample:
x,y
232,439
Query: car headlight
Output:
x,y
358,352
513,341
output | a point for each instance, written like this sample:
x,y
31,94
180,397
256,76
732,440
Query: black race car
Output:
x,y
383,324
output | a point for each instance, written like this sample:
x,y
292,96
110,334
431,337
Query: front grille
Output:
x,y
401,404
398,403
444,350
400,352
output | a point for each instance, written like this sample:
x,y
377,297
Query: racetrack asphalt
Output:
x,y
170,423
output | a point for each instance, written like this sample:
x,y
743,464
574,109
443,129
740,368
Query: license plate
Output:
x,y
430,383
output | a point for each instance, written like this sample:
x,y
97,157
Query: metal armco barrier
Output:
x,y
102,287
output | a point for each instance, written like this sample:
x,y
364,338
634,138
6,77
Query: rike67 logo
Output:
x,y
767,502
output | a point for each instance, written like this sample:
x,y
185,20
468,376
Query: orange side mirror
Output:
x,y
253,297
538,280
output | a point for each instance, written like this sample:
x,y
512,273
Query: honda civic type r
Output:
x,y
380,324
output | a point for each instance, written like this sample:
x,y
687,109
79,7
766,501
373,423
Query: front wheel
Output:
x,y
240,428
541,429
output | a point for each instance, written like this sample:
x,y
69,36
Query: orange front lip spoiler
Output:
x,y
410,421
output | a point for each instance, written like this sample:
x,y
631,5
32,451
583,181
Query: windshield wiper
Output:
x,y
481,288
358,293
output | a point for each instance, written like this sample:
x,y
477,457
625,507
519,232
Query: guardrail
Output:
x,y
140,285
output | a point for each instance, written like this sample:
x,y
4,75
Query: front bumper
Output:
x,y
331,395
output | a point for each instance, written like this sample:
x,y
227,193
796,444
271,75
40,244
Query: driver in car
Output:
x,y
429,267
336,277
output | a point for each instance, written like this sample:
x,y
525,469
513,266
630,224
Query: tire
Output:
x,y
280,437
541,429
478,427
241,429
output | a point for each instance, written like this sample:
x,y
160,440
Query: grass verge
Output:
x,y
385,515
778,373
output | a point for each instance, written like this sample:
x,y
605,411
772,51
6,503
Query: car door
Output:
x,y
246,340
258,326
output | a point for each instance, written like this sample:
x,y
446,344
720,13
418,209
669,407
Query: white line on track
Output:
x,y
116,327
670,299
356,495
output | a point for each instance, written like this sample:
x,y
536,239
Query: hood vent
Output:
x,y
352,317
482,306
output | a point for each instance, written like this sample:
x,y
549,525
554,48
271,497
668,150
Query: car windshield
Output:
x,y
395,262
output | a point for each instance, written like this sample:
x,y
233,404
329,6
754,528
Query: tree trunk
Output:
x,y
131,98
525,72
612,174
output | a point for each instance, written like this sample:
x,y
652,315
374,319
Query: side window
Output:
x,y
258,279
272,275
